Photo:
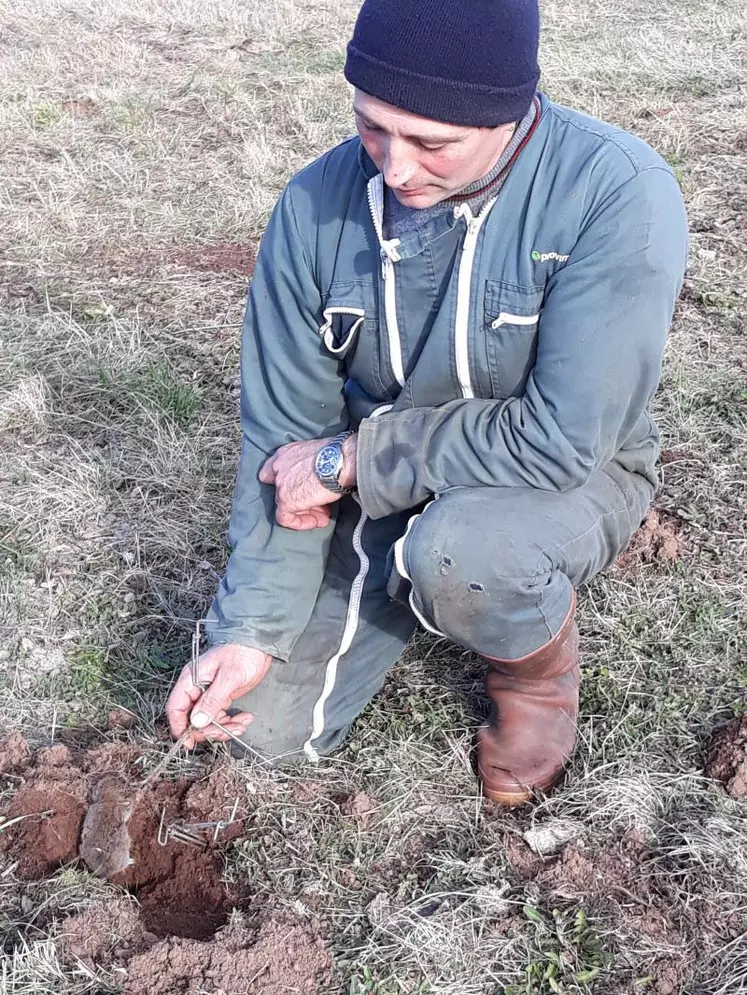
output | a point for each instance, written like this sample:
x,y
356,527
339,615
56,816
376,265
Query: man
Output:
x,y
453,334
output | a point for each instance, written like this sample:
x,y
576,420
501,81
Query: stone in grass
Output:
x,y
379,908
491,899
548,838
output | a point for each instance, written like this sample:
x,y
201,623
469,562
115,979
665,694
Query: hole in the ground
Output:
x,y
178,885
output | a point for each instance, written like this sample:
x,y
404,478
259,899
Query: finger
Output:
x,y
267,472
181,701
311,518
231,723
231,682
235,724
185,692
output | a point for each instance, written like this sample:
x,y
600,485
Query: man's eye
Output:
x,y
432,148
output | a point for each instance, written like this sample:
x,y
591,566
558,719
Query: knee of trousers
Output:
x,y
479,576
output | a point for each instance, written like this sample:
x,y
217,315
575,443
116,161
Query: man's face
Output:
x,y
424,162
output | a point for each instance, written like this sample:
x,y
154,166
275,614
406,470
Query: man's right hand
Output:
x,y
231,671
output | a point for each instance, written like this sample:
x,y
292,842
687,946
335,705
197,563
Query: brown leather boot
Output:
x,y
532,728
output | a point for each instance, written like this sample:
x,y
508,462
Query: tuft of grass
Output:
x,y
567,954
47,114
88,667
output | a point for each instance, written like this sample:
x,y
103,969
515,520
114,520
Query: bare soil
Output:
x,y
175,937
279,957
236,259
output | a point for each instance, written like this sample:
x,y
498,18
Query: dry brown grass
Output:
x,y
133,139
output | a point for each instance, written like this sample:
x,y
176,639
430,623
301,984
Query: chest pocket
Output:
x,y
511,328
350,332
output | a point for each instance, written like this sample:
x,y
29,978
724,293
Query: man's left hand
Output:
x,y
301,500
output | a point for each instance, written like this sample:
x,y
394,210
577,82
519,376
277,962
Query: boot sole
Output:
x,y
513,798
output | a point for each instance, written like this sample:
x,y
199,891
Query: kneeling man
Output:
x,y
453,334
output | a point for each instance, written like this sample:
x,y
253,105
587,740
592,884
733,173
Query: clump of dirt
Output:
x,y
360,807
279,958
120,718
657,540
15,754
727,757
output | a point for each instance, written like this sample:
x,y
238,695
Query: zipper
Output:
x,y
504,318
464,292
389,255
352,617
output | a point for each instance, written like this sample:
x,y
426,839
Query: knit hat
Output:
x,y
470,62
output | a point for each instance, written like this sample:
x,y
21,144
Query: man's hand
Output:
x,y
230,670
301,500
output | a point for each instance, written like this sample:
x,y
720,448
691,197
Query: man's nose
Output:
x,y
399,165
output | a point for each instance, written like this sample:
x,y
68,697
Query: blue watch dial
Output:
x,y
328,461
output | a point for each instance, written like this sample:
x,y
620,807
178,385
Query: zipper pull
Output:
x,y
386,264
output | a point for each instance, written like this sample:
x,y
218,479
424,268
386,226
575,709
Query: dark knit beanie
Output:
x,y
471,62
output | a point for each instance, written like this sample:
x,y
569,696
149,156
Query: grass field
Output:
x,y
142,147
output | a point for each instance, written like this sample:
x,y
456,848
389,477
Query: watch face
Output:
x,y
328,461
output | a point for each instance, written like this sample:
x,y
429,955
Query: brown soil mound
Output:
x,y
47,834
727,757
281,958
104,933
657,540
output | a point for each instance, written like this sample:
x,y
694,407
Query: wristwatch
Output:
x,y
329,463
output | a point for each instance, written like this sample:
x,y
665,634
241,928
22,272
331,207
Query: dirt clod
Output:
x,y
361,807
657,540
120,718
15,754
727,757
101,932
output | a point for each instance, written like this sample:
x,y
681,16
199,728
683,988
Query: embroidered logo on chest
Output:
x,y
546,257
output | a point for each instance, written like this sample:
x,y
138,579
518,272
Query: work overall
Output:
x,y
500,388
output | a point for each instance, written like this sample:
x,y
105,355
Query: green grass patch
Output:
x,y
88,667
47,114
301,60
567,954
153,384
